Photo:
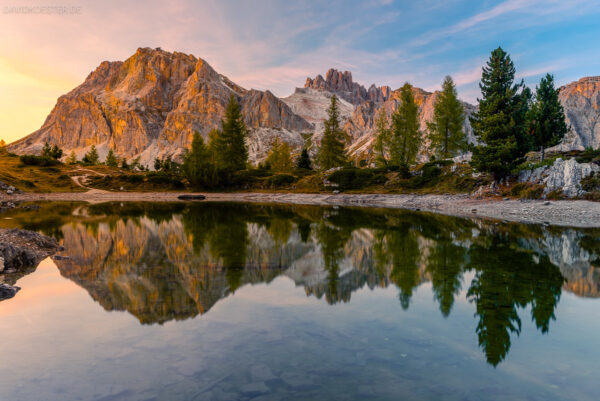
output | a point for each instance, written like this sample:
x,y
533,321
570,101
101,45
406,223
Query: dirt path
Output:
x,y
81,180
563,213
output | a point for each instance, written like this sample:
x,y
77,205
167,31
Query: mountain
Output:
x,y
150,105
581,101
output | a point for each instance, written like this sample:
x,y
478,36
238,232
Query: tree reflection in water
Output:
x,y
175,261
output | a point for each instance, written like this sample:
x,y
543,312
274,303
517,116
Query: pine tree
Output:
x,y
196,163
406,137
229,145
72,159
47,150
500,122
383,138
446,129
304,160
280,157
547,117
56,152
157,164
2,146
332,153
91,157
111,159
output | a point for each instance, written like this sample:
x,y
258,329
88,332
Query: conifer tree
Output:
x,y
72,159
547,117
382,142
2,146
229,144
47,150
196,163
56,152
111,159
405,137
91,157
446,129
500,122
332,153
304,160
280,157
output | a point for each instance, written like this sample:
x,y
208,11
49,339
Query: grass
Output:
x,y
36,178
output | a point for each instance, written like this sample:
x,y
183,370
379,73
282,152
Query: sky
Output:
x,y
47,51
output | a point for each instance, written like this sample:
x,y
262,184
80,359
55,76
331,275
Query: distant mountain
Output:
x,y
151,104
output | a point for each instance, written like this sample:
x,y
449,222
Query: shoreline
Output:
x,y
571,213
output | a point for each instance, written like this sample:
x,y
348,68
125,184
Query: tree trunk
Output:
x,y
542,151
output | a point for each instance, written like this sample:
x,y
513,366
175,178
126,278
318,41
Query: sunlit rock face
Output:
x,y
581,102
151,104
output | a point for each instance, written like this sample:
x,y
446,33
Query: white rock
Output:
x,y
564,175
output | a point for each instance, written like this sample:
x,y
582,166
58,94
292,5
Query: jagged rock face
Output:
x,y
563,175
149,106
581,101
342,85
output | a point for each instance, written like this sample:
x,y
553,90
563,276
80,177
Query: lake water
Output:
x,y
253,302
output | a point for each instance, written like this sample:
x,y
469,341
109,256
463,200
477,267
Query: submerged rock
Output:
x,y
22,248
563,175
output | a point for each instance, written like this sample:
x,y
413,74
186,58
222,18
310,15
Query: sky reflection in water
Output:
x,y
232,301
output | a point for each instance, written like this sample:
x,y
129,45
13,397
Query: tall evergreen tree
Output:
x,y
304,160
332,153
196,164
229,145
446,129
111,159
547,117
47,150
91,157
383,138
280,157
72,159
405,137
2,146
500,122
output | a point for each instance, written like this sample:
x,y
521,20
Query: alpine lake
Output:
x,y
231,301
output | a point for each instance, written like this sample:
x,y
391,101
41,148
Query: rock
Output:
x,y
21,248
342,85
191,197
563,175
8,291
546,203
1,264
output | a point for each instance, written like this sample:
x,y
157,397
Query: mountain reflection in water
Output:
x,y
163,262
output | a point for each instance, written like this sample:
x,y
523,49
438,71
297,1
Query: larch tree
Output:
x,y
332,151
406,136
280,156
500,122
382,142
547,124
446,130
111,159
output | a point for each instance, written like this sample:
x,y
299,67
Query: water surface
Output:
x,y
236,301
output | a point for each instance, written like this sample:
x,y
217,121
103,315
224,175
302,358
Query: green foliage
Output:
x,y
304,160
591,182
229,144
91,157
42,161
111,159
500,122
589,155
446,128
72,159
280,156
51,152
382,143
332,152
355,178
281,180
546,118
197,166
406,137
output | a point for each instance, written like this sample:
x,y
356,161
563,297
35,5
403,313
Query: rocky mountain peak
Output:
x,y
341,84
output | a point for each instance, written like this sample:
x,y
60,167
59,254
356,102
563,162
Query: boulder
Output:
x,y
563,175
22,248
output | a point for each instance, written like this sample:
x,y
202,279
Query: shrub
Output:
x,y
533,192
42,161
354,178
280,180
591,182
518,189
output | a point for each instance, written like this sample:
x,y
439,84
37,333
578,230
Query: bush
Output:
x,y
280,180
42,161
518,189
589,155
354,178
533,192
591,182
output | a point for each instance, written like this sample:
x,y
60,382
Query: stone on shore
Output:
x,y
22,248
